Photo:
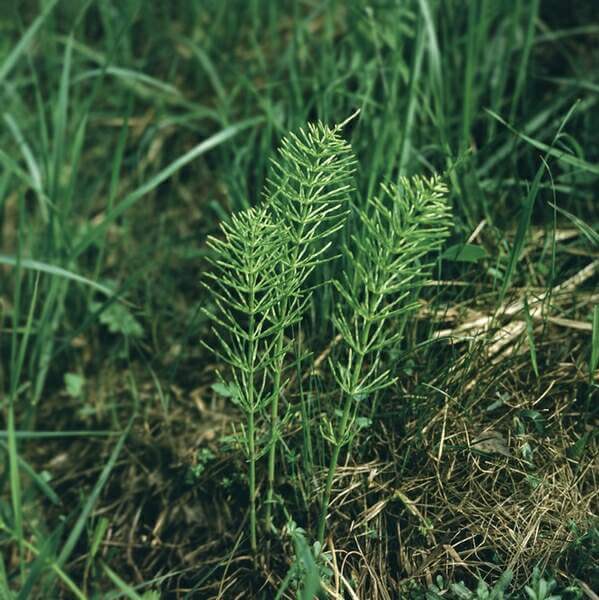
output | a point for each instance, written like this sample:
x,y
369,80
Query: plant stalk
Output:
x,y
274,423
332,468
274,406
252,480
341,432
251,434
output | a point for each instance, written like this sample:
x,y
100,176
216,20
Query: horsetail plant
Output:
x,y
247,285
261,287
389,259
308,194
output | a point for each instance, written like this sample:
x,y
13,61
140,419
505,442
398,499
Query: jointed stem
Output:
x,y
274,423
274,407
252,480
308,191
342,432
332,468
251,433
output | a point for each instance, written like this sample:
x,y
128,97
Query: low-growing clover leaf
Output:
x,y
119,319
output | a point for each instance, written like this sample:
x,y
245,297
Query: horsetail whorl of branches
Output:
x,y
390,257
310,186
248,284
261,289
308,194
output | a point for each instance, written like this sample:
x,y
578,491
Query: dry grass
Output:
x,y
440,484
467,502
443,485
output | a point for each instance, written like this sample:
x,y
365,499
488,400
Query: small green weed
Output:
x,y
538,588
459,591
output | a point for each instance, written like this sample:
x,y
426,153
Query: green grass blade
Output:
x,y
91,500
471,60
13,454
11,166
523,225
37,568
124,587
560,155
433,44
523,71
211,71
408,121
68,582
154,182
33,435
435,69
36,265
59,132
25,41
38,479
35,174
5,593
534,125
591,234
133,78
531,338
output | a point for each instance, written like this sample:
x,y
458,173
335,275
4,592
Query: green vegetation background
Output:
x,y
130,129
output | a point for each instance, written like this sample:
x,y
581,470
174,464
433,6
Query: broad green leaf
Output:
x,y
119,319
465,253
74,384
226,390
